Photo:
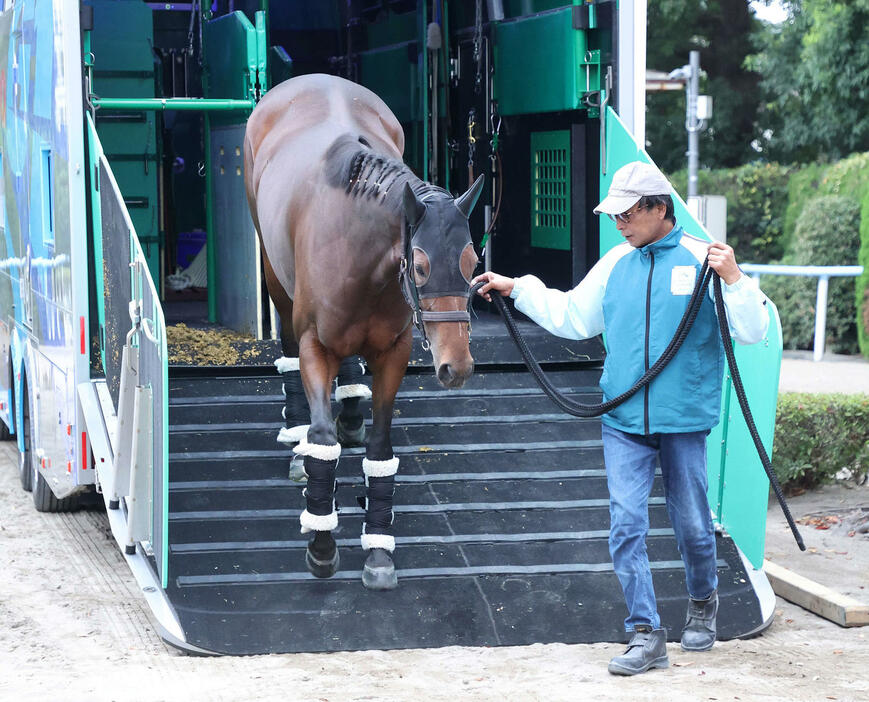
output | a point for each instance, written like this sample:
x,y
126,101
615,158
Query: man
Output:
x,y
637,294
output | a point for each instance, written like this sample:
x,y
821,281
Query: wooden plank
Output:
x,y
817,598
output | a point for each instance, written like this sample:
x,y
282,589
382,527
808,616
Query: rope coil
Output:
x,y
578,409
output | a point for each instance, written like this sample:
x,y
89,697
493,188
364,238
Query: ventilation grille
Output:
x,y
550,190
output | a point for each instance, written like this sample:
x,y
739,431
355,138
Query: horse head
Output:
x,y
440,259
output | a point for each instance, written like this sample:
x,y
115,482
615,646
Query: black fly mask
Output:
x,y
437,251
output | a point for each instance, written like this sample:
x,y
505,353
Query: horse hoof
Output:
x,y
379,571
350,437
297,469
322,564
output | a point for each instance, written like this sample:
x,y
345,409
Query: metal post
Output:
x,y
821,317
210,244
487,253
692,124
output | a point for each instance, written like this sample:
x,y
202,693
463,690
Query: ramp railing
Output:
x,y
137,377
823,274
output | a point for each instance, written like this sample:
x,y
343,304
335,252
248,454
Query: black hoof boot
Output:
x,y
297,469
348,436
322,558
379,571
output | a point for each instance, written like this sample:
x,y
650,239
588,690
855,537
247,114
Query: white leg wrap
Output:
x,y
316,522
380,469
384,541
356,390
284,364
324,453
293,435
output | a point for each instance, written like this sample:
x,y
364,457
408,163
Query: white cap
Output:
x,y
630,183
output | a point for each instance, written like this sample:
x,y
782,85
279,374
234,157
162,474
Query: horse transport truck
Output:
x,y
127,233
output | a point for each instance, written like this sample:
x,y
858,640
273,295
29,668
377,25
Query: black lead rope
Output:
x,y
578,409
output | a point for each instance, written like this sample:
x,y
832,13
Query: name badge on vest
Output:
x,y
682,280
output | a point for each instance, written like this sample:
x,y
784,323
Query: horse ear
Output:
x,y
466,202
413,208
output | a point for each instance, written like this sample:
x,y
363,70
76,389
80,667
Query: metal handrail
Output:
x,y
823,274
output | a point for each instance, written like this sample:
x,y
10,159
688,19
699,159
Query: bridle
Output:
x,y
413,293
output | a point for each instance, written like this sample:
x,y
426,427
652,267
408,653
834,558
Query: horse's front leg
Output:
x,y
380,467
321,451
350,424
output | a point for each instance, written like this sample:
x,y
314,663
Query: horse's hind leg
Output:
x,y
350,424
321,451
380,467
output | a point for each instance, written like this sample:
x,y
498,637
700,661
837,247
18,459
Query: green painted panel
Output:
x,y
261,51
231,57
393,78
122,41
744,493
738,486
280,66
621,148
550,189
93,159
391,29
539,64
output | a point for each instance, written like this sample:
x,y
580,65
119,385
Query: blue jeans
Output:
x,y
630,468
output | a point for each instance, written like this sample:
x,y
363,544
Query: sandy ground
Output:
x,y
74,627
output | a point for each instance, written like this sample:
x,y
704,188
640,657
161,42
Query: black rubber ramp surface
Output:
x,y
501,523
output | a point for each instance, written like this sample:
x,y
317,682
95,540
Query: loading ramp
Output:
x,y
501,517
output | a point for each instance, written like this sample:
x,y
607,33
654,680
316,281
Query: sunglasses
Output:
x,y
625,217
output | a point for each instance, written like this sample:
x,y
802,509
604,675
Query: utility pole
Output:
x,y
692,124
698,108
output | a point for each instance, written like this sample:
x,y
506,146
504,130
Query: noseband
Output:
x,y
413,293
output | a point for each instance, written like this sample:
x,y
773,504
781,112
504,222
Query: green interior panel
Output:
x,y
539,64
550,189
231,61
122,42
280,65
393,78
738,486
392,29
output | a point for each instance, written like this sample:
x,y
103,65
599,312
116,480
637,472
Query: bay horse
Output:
x,y
355,248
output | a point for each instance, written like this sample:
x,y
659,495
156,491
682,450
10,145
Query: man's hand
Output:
x,y
499,283
723,262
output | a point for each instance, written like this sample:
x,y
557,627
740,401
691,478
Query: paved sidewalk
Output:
x,y
835,373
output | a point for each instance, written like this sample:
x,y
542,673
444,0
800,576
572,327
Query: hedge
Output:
x,y
826,234
818,435
757,197
861,288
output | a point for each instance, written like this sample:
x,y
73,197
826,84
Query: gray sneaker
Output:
x,y
700,630
646,649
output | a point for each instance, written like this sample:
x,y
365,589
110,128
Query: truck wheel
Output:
x,y
44,499
25,461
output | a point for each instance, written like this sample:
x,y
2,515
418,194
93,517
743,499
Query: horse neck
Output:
x,y
374,180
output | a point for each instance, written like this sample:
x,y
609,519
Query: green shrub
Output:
x,y
826,234
848,178
816,436
861,297
804,185
757,196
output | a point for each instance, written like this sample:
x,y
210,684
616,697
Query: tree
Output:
x,y
721,30
815,80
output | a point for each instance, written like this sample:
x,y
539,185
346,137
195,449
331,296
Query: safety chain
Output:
x,y
472,141
478,46
494,130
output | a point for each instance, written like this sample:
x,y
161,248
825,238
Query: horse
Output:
x,y
356,250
